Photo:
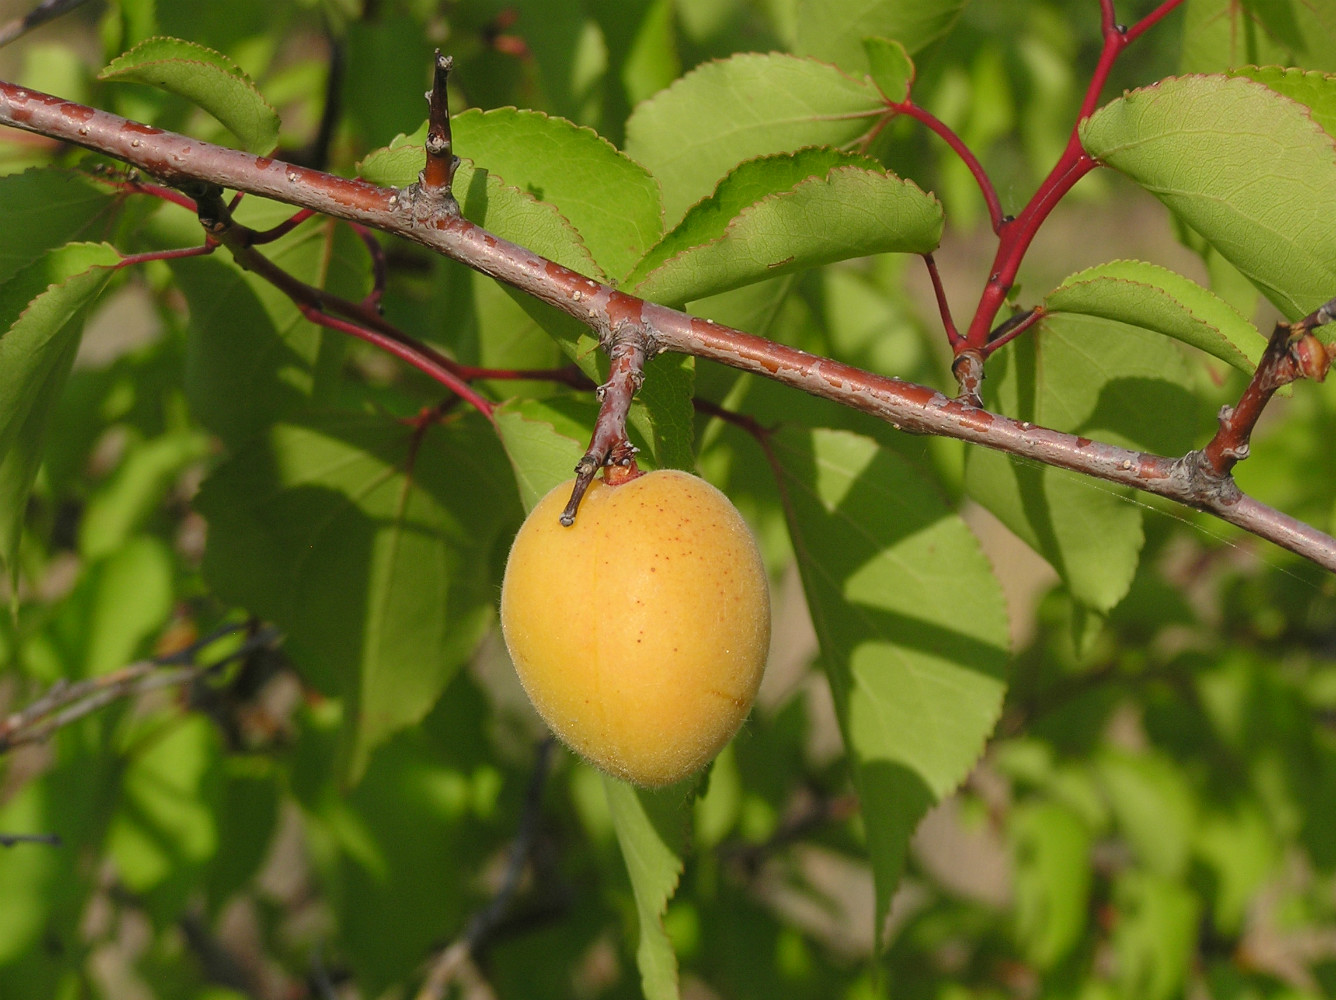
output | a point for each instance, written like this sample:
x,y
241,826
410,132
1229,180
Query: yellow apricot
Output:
x,y
640,632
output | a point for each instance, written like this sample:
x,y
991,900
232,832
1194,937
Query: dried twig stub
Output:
x,y
439,172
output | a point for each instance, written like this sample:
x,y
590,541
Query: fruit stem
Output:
x,y
628,348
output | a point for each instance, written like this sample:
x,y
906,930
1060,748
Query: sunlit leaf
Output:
x,y
912,626
1105,381
42,309
165,828
750,105
786,213
611,200
651,828
511,213
1155,937
1219,34
1153,804
544,439
1245,167
1315,91
206,78
834,29
1158,299
1051,846
890,67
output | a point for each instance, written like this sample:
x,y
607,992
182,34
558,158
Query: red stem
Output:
x,y
952,334
1013,328
1072,165
131,259
423,360
964,152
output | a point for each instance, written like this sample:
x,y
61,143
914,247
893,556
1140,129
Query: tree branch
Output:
x,y
452,962
64,702
177,159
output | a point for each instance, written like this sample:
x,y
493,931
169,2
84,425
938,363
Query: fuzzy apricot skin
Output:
x,y
640,633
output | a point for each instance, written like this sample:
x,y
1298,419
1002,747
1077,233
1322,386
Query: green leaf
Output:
x,y
786,213
165,827
367,543
42,310
251,357
1102,380
1155,938
890,67
834,30
395,897
1154,807
651,828
121,602
206,78
611,200
911,622
665,396
750,105
1245,167
490,202
1218,34
136,489
1162,301
49,207
1051,845
544,438
1238,846
1315,91
515,215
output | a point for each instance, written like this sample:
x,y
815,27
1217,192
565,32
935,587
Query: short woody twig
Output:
x,y
629,349
439,173
1292,353
968,370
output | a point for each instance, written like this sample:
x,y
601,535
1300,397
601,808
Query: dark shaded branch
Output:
x,y
483,925
48,10
12,839
64,702
905,405
362,320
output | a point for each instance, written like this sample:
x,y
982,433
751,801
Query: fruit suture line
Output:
x,y
427,215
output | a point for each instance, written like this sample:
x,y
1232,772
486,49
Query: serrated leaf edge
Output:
x,y
1243,362
755,206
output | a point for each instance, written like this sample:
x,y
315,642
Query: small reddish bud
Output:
x,y
1312,357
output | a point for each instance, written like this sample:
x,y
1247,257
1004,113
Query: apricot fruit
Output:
x,y
641,631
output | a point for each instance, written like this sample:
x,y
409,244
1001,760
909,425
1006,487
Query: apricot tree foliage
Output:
x,y
713,213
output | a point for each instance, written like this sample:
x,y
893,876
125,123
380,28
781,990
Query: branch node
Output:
x,y
968,370
1203,486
